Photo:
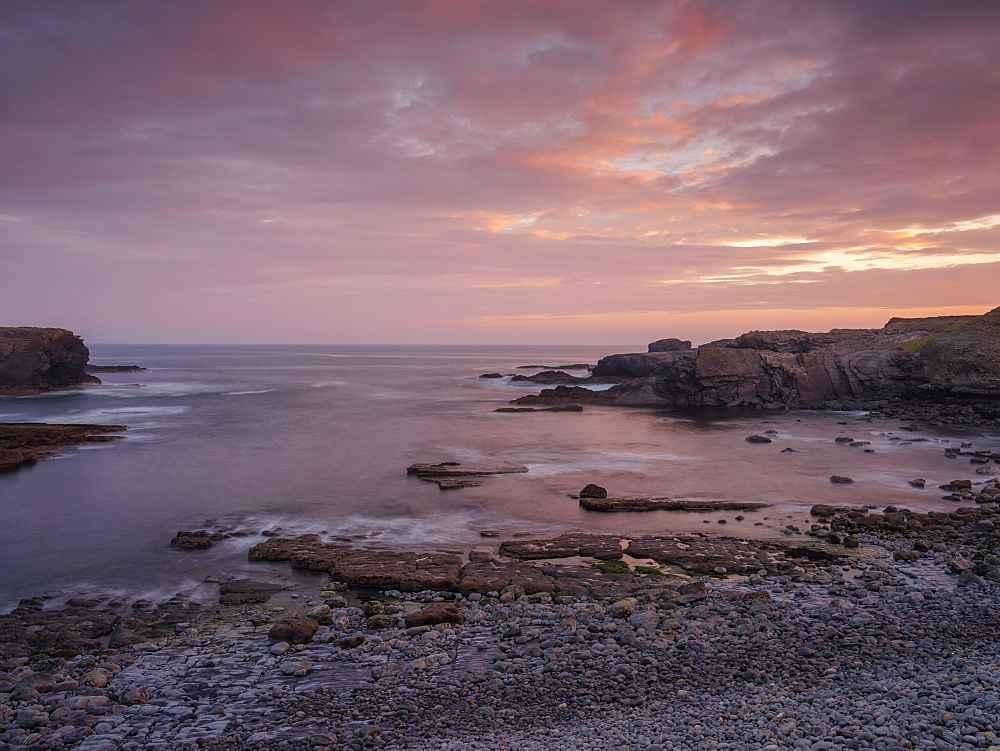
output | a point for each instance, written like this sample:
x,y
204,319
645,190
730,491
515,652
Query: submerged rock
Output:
x,y
666,504
26,443
451,469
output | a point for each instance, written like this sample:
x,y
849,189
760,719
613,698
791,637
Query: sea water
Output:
x,y
318,438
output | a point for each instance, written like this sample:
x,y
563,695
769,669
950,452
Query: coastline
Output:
x,y
745,658
757,662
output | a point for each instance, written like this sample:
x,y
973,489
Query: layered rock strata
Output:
x,y
34,360
946,357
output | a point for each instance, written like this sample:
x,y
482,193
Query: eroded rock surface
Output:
x,y
666,504
26,443
33,360
948,355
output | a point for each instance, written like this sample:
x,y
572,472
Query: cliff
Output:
x,y
33,360
949,356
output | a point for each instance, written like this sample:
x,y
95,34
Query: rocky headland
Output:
x,y
35,360
950,362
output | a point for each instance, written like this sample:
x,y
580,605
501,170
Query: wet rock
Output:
x,y
114,369
495,576
407,572
40,682
564,546
455,468
622,608
957,485
434,614
27,443
295,630
593,491
135,695
382,620
246,591
296,668
197,540
645,619
556,408
840,480
350,641
757,439
454,483
666,504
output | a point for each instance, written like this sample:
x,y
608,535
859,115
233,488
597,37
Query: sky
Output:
x,y
495,171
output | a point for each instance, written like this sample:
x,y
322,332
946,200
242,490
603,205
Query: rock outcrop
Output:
x,y
948,356
26,443
669,345
33,360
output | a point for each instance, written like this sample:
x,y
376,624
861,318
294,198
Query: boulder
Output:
x,y
434,614
669,345
593,491
295,630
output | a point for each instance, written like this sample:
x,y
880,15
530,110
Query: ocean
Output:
x,y
318,438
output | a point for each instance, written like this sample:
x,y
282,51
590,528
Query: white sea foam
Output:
x,y
159,390
609,461
114,415
248,391
326,384
409,532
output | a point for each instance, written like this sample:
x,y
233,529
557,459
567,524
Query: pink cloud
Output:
x,y
438,156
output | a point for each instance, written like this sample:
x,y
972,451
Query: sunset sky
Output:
x,y
495,171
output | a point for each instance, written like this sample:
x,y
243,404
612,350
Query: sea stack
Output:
x,y
34,360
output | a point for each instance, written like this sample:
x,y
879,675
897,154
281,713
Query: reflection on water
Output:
x,y
318,439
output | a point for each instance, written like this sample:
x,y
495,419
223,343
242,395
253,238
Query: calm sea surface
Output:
x,y
318,438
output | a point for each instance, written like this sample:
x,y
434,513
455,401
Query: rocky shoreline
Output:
x,y
895,648
864,629
945,368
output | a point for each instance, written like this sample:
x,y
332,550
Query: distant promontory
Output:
x,y
947,357
34,360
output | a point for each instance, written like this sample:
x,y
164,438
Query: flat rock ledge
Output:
x,y
409,571
454,475
114,369
25,443
452,469
666,504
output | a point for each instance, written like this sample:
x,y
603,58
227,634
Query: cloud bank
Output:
x,y
494,170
